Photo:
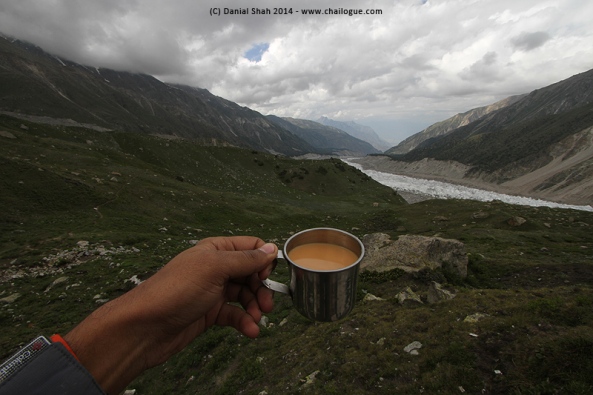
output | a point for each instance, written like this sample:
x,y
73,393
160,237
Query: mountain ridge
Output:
x,y
524,147
445,127
362,132
36,83
333,141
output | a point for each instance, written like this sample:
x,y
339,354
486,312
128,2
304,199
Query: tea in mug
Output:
x,y
322,256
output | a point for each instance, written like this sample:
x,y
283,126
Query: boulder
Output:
x,y
6,134
473,318
516,221
480,215
437,293
10,299
408,297
371,298
413,253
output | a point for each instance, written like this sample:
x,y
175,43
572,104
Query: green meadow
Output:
x,y
135,201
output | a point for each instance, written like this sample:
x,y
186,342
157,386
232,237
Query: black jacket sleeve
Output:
x,y
53,371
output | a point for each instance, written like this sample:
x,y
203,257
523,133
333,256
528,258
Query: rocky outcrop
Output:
x,y
58,263
413,253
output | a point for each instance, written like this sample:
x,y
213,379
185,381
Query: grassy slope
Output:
x,y
534,282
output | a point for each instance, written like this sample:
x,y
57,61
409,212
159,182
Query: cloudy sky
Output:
x,y
398,69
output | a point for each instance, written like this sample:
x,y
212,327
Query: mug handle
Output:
x,y
275,285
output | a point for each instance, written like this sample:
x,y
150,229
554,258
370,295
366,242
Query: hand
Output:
x,y
158,318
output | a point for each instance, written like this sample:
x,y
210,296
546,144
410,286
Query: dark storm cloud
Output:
x,y
416,59
530,41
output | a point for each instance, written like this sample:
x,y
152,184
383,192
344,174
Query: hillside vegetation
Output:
x,y
36,83
538,145
327,139
83,212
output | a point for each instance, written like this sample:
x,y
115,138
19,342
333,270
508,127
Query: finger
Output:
x,y
268,270
263,295
246,262
265,299
235,243
237,318
246,297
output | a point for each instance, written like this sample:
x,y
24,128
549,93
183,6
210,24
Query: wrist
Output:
x,y
56,338
107,345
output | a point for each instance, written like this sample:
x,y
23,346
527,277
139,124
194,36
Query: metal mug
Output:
x,y
326,295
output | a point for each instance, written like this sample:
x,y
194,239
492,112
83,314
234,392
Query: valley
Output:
x,y
106,175
85,215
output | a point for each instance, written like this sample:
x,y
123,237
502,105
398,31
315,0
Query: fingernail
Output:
x,y
268,248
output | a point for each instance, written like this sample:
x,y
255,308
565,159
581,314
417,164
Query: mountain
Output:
x,y
331,140
35,83
444,127
365,133
540,145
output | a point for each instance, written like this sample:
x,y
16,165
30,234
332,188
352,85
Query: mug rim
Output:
x,y
355,263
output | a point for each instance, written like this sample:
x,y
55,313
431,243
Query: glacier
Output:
x,y
444,190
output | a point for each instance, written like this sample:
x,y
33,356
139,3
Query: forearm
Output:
x,y
110,345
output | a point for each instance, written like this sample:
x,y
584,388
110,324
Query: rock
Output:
x,y
283,322
82,243
264,321
129,392
475,317
480,215
413,253
8,135
414,346
10,299
310,379
516,221
437,293
371,298
134,280
407,296
56,282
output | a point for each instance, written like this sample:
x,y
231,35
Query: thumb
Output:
x,y
272,251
